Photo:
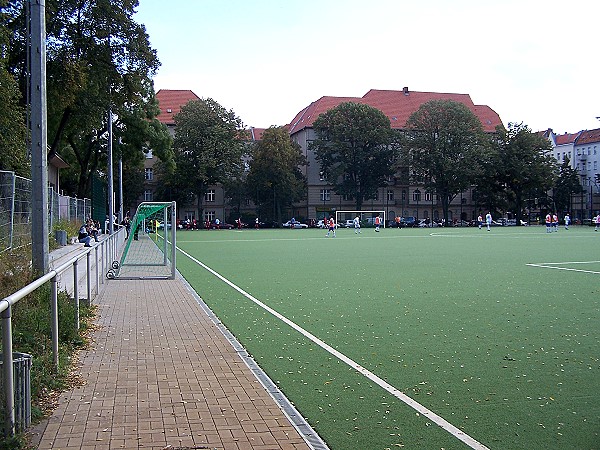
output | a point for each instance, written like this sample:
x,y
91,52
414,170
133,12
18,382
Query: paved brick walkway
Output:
x,y
160,375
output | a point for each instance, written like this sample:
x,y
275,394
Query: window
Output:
x,y
209,216
427,196
417,196
149,174
321,176
404,197
595,165
209,196
148,197
589,165
390,195
325,195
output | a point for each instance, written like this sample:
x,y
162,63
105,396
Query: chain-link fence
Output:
x,y
15,210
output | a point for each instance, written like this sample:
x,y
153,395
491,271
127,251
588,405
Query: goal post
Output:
x,y
150,248
367,218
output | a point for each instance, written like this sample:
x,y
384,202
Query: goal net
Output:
x,y
150,247
367,218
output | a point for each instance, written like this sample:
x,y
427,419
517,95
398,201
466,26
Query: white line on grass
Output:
x,y
555,266
438,420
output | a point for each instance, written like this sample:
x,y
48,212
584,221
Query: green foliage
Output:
x,y
98,58
523,166
13,156
354,147
275,180
207,147
567,184
71,227
445,148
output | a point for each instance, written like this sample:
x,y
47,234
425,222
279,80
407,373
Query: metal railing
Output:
x,y
106,252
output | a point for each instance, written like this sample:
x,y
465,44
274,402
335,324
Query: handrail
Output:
x,y
109,249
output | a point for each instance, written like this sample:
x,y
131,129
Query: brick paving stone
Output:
x,y
160,373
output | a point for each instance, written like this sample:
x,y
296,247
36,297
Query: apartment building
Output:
x,y
397,197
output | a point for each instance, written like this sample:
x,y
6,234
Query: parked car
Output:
x,y
408,222
297,225
349,223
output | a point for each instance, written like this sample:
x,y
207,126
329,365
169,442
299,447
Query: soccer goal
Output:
x,y
367,218
150,248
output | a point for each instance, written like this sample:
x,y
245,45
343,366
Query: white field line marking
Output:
x,y
441,422
548,266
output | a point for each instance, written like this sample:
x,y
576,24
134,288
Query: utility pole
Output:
x,y
111,187
39,138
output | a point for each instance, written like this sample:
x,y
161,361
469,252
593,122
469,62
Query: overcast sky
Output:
x,y
532,61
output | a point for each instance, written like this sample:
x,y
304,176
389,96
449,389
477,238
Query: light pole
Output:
x,y
417,198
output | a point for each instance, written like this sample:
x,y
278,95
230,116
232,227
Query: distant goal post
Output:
x,y
367,218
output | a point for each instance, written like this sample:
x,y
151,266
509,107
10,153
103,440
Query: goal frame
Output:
x,y
354,213
146,218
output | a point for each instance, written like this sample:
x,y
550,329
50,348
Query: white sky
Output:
x,y
531,61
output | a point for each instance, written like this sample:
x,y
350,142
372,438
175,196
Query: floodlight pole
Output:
x,y
39,139
111,187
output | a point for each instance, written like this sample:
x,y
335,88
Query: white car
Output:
x,y
298,225
349,223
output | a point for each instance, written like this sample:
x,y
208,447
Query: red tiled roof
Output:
x,y
256,133
396,105
589,137
170,103
567,138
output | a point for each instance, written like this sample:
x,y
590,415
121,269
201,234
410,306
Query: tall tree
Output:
x,y
208,147
445,147
566,185
526,168
98,58
354,147
13,156
275,180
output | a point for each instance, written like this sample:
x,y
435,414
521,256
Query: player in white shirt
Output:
x,y
488,220
356,225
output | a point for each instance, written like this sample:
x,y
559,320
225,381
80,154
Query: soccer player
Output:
x,y
331,227
479,221
548,223
488,220
555,222
377,223
356,225
567,221
597,222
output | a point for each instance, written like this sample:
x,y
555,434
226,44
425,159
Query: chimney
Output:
x,y
405,90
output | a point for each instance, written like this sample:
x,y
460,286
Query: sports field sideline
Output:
x,y
417,338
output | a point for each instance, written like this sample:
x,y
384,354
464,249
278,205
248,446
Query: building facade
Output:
x,y
397,198
582,149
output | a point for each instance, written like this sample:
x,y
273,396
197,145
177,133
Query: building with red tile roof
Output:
x,y
398,197
396,105
170,103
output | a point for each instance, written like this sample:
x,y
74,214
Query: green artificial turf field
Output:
x,y
496,332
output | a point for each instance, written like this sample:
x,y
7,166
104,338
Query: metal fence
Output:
x,y
15,210
105,254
